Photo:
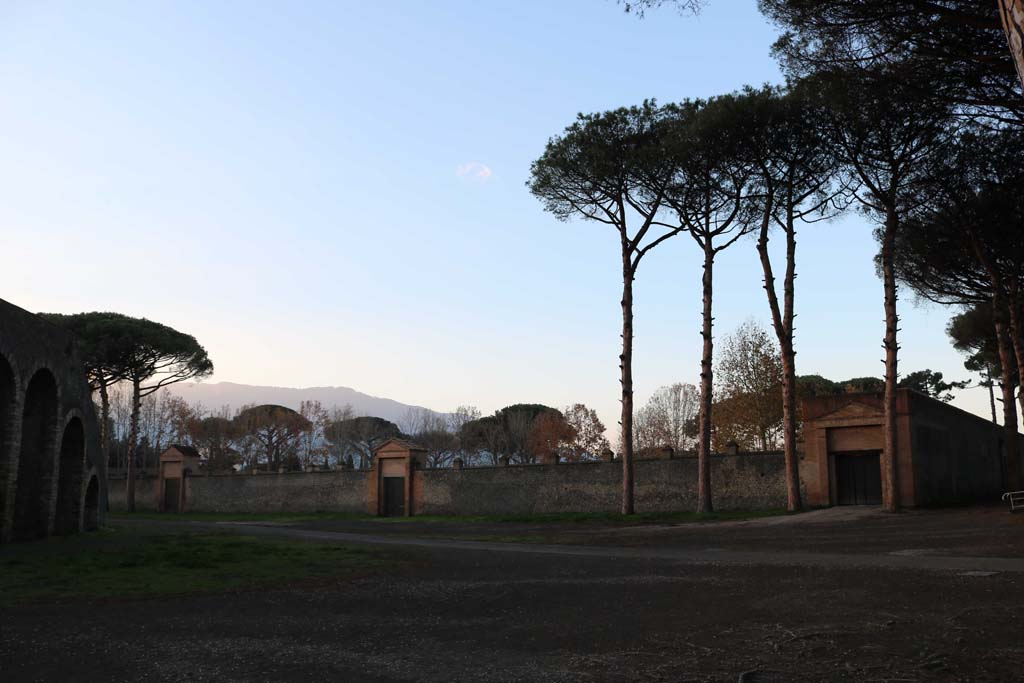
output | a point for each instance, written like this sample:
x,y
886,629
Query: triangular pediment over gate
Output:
x,y
855,410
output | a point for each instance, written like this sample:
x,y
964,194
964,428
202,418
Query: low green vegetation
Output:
x,y
127,564
598,517
553,518
282,517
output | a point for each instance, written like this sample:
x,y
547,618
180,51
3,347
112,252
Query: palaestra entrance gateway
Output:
x,y
943,454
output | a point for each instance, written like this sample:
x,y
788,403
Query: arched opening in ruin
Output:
x,y
91,506
69,483
7,407
36,460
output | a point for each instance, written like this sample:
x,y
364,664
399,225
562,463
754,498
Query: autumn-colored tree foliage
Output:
x,y
548,437
748,406
215,436
588,441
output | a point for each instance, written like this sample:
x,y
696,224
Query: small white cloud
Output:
x,y
474,170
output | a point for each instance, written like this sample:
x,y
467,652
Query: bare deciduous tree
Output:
x,y
312,445
357,437
432,431
457,421
669,418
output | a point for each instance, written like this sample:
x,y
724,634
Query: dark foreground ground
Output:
x,y
835,595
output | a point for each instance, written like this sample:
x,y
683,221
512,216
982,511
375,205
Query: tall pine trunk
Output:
x,y
782,322
890,470
704,503
992,398
1002,314
1016,341
133,438
1011,12
1009,404
626,369
104,422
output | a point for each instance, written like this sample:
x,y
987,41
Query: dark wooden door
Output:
x,y
858,479
394,496
171,489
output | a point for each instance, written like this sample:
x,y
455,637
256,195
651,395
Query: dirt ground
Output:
x,y
984,531
844,595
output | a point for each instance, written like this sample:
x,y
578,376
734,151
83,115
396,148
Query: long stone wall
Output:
x,y
745,481
748,481
145,492
343,491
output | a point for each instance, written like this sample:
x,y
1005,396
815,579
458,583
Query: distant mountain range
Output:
x,y
213,395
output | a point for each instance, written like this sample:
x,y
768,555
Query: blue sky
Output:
x,y
333,194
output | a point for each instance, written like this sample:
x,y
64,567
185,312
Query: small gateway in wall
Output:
x,y
176,463
391,481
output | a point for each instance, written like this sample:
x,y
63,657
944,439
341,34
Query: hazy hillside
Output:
x,y
217,394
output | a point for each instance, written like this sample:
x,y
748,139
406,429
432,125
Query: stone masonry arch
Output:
x,y
37,456
49,435
71,466
10,427
91,504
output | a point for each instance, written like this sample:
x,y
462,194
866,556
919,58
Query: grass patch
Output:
x,y
597,517
500,538
553,518
132,564
115,515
